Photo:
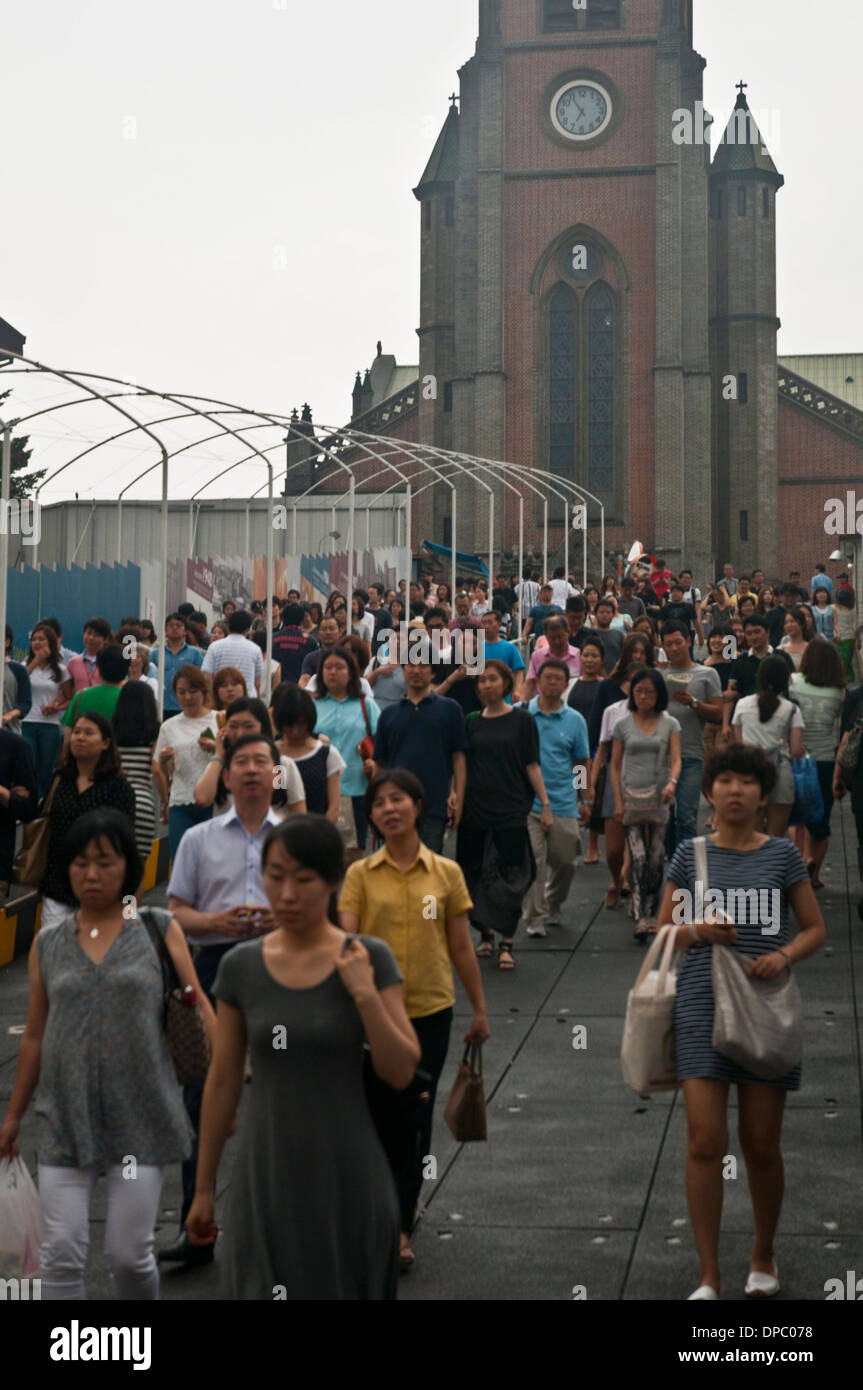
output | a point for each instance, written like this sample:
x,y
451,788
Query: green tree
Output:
x,y
20,484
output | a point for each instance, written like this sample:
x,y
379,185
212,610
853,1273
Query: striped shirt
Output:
x,y
773,869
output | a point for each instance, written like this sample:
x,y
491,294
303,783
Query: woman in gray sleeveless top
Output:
x,y
645,767
108,1099
312,1208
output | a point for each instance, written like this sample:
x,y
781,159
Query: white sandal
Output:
x,y
705,1293
760,1285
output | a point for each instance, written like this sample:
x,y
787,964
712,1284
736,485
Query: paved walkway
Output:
x,y
581,1182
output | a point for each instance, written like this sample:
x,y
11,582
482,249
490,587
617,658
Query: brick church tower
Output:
x,y
565,278
599,300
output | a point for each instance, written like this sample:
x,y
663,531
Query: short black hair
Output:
x,y
240,621
606,602
53,623
627,582
250,704
593,641
186,610
292,615
554,663
436,613
112,665
755,620
100,626
674,625
313,841
745,761
290,705
576,604
103,824
403,779
559,572
244,740
175,618
647,673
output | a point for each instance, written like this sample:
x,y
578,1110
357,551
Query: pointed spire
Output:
x,y
443,165
742,148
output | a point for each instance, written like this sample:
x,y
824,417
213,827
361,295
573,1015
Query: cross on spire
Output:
x,y
453,99
741,87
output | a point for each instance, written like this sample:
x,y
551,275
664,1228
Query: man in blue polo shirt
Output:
x,y
425,733
563,748
178,652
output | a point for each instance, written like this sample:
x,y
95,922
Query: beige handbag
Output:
x,y
647,1053
758,1024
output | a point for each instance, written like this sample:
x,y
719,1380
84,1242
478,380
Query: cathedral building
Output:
x,y
598,300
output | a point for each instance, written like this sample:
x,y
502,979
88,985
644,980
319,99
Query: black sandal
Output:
x,y
485,947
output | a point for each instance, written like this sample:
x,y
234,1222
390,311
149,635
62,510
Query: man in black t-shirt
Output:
x,y
291,645
675,610
744,668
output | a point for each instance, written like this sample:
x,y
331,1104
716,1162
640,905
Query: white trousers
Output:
x,y
54,912
133,1205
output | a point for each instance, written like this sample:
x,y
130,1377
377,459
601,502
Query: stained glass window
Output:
x,y
563,319
600,389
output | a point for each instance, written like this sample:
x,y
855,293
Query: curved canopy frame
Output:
x,y
84,422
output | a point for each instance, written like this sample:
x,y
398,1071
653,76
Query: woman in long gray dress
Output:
x,y
312,1208
94,1043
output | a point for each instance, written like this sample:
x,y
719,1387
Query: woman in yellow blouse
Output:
x,y
417,902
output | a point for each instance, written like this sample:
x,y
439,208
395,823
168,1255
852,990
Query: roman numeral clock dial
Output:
x,y
581,110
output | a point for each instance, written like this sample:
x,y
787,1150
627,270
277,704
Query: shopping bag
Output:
x,y
465,1109
808,805
756,1023
20,1221
647,1054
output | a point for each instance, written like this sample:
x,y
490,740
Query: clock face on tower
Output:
x,y
581,110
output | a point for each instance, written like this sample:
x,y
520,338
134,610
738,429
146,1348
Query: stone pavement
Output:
x,y
581,1182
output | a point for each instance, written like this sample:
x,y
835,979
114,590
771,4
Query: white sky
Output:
x,y
259,233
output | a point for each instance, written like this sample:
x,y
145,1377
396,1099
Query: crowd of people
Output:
x,y
338,826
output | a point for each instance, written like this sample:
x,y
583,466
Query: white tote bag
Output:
x,y
647,1054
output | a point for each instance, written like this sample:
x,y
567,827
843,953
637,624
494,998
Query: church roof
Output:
x,y
443,166
742,149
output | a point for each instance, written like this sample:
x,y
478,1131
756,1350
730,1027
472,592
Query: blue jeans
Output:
x,y
45,741
181,819
683,821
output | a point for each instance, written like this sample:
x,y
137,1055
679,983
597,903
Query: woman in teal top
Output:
x,y
346,716
818,689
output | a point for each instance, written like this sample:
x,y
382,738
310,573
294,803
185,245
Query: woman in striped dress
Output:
x,y
136,725
737,783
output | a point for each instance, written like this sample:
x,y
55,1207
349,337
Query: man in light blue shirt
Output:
x,y
564,751
178,652
216,893
820,580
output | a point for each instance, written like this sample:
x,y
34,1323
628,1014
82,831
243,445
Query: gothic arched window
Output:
x,y
563,321
600,389
581,385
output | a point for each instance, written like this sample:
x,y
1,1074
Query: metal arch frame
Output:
x,y
72,378
416,458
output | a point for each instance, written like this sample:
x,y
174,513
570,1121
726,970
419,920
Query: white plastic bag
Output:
x,y
647,1053
20,1221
